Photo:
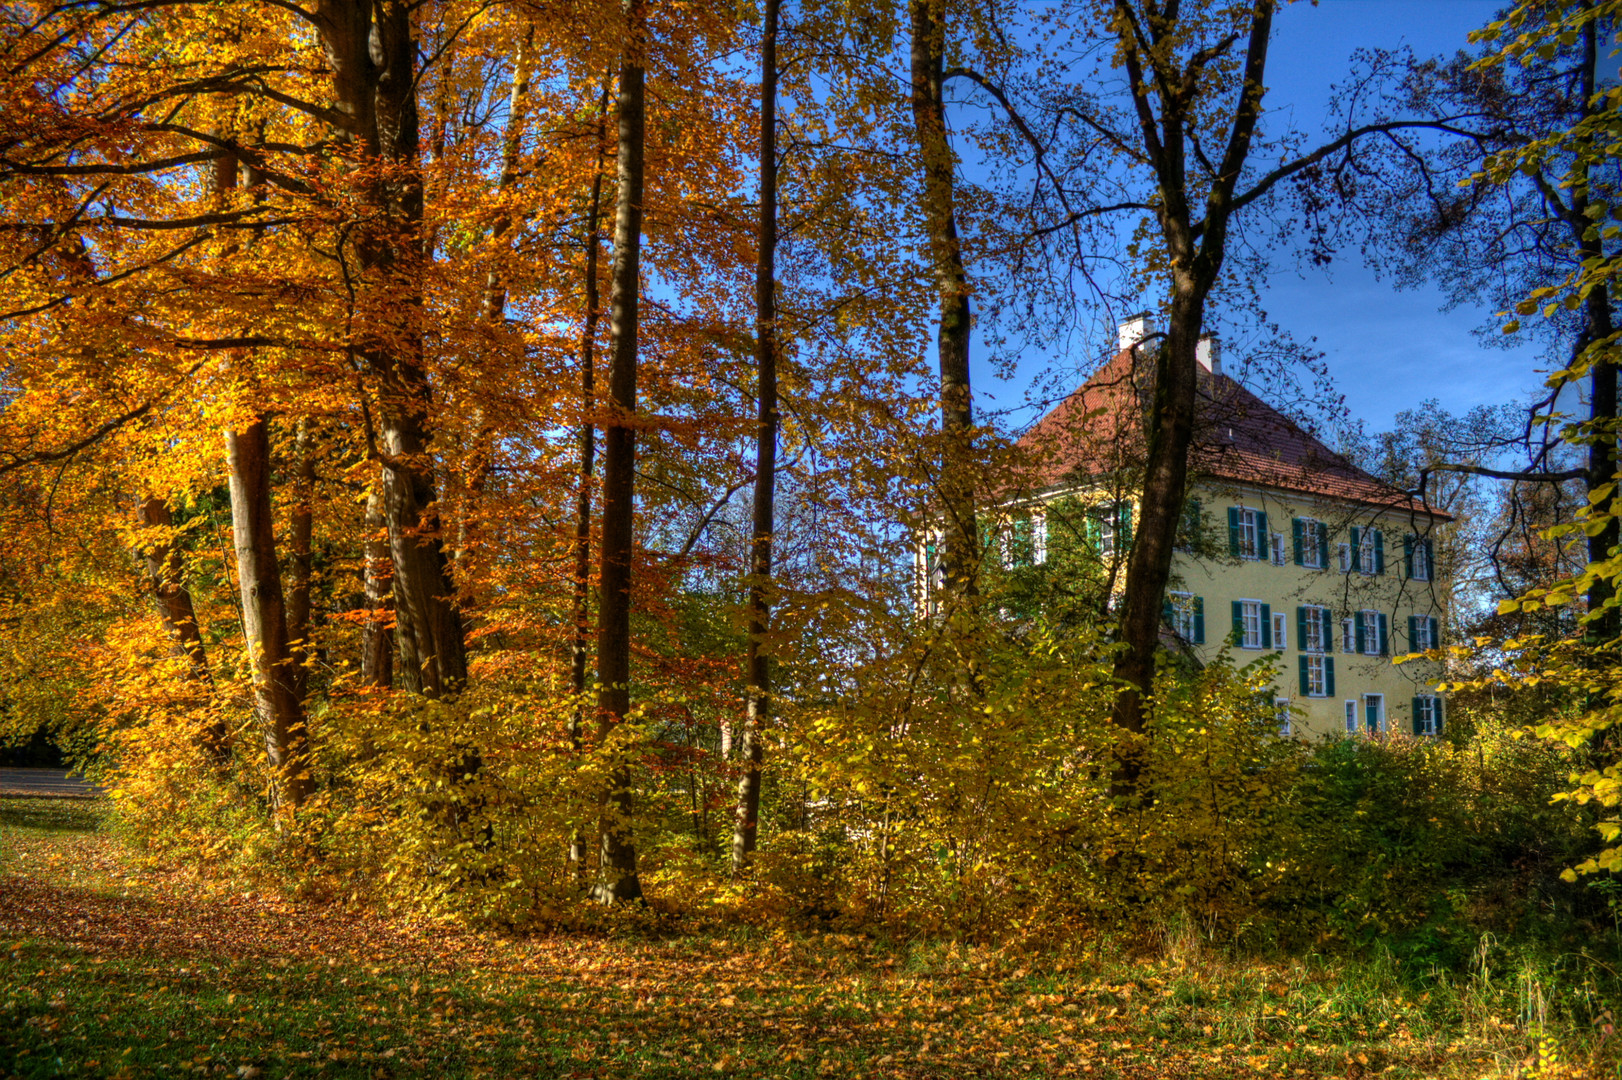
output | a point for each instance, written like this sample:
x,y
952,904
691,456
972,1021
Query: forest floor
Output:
x,y
109,968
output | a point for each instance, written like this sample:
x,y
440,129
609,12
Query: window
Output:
x,y
1317,676
1427,715
1374,713
1039,539
1422,633
1252,623
1185,614
1278,549
1348,634
1346,558
1281,631
1311,541
1419,557
1368,546
1371,630
1351,716
1313,633
1281,709
1247,533
1112,526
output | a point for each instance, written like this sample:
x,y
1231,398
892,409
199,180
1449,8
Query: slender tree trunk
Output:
x,y
961,561
301,526
264,615
757,662
619,881
580,599
166,575
376,636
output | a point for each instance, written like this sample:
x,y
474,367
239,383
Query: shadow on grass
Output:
x,y
52,815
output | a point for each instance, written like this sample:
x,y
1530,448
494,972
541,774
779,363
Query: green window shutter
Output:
x,y
1298,538
1123,526
1238,623
1359,624
1261,536
1430,565
1329,676
1305,684
1371,714
1167,613
1437,705
1379,552
1323,546
1436,635
1413,632
1407,555
1301,614
1199,620
1233,531
1357,548
1385,643
1267,626
1418,728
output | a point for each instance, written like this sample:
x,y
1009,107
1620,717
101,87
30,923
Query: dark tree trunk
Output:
x,y
376,636
619,881
1195,250
370,49
166,576
961,562
757,663
580,597
264,615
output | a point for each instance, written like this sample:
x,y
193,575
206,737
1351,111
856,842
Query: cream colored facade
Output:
x,y
1345,678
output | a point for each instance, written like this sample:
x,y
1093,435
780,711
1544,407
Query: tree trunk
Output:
x,y
166,575
961,562
757,662
1195,256
264,616
580,598
374,80
619,880
300,527
376,636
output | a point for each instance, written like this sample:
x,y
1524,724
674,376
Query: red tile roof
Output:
x,y
1237,437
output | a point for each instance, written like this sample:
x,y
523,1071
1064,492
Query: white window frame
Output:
x,y
1309,544
1249,534
1348,634
1378,727
1345,551
1318,630
1421,558
1422,634
1281,630
1429,727
1277,551
1353,726
1250,617
1281,709
1317,678
1039,539
1371,632
1365,551
1182,614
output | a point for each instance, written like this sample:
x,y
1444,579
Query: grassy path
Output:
x,y
109,970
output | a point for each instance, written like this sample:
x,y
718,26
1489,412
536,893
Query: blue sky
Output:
x,y
1387,350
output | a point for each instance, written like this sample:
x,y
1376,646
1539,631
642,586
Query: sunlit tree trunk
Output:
x,y
619,881
301,520
957,467
757,662
264,615
376,637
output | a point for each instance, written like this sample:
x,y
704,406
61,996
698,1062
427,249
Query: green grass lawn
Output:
x,y
108,968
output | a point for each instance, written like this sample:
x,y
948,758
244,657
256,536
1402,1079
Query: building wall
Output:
x,y
1220,579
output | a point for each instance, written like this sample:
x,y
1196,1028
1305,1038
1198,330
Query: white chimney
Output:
x,y
1209,354
1134,328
